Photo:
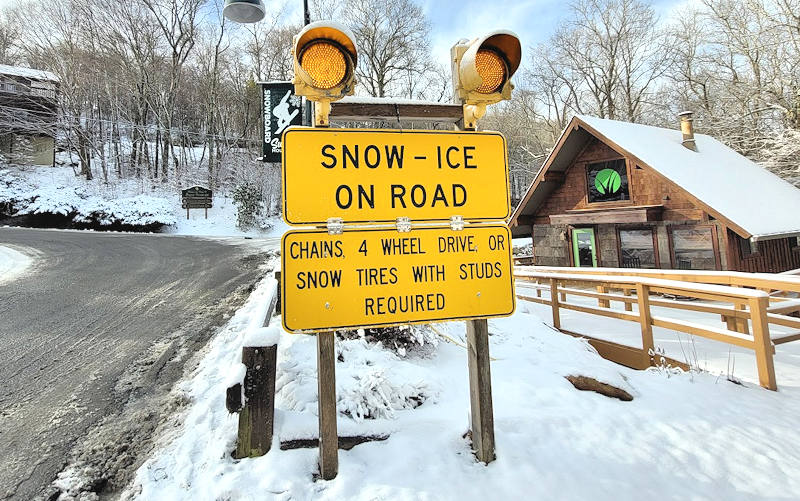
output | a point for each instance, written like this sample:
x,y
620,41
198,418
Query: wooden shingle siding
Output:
x,y
646,188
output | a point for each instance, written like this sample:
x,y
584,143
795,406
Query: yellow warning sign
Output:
x,y
366,176
380,277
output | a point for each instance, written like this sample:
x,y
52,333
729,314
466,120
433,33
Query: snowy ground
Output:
x,y
221,222
12,263
684,436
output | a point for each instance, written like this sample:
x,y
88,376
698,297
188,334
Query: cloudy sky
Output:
x,y
532,20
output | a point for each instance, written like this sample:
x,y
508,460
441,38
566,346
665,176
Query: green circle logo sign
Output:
x,y
607,181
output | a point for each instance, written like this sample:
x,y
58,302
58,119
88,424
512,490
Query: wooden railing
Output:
x,y
744,308
783,290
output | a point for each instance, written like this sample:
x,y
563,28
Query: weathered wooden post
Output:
x,y
627,293
326,387
257,416
480,390
601,302
257,411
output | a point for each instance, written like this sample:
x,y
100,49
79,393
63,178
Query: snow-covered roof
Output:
x,y
31,73
750,198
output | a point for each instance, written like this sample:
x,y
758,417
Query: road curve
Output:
x,y
98,323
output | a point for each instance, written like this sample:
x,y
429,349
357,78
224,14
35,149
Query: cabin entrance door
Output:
x,y
584,249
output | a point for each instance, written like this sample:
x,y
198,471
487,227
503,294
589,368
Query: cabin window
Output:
x,y
694,248
607,181
638,248
794,243
8,87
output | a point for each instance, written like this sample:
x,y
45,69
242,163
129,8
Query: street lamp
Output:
x,y
244,11
253,11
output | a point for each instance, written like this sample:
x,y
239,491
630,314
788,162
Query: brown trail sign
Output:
x,y
196,197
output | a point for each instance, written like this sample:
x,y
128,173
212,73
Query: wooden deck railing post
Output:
x,y
741,323
603,303
763,343
646,321
627,293
554,303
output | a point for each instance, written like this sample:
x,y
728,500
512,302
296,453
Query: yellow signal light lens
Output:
x,y
325,64
492,70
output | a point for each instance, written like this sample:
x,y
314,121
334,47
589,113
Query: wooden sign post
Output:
x,y
326,386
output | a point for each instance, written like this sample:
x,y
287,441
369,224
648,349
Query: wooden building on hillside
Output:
x,y
28,112
616,194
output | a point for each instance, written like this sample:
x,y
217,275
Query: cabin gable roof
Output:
x,y
748,199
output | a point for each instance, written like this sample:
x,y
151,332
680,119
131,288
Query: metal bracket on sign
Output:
x,y
335,225
457,223
403,224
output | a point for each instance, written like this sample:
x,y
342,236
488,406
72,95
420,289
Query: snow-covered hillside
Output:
x,y
123,204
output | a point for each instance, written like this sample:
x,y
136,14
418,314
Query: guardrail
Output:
x,y
742,307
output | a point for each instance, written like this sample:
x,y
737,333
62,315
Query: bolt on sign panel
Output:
x,y
364,176
381,277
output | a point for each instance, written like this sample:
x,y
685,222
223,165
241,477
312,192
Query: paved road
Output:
x,y
91,340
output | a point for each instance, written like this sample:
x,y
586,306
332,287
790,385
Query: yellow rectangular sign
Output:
x,y
366,176
379,277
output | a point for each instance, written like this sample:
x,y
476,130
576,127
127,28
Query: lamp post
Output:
x,y
253,11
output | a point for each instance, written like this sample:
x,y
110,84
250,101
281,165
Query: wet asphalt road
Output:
x,y
98,320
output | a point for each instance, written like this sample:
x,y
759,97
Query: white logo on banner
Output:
x,y
282,113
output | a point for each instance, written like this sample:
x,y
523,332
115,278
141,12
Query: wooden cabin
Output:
x,y
623,195
28,113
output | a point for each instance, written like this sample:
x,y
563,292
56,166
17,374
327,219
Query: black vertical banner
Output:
x,y
281,109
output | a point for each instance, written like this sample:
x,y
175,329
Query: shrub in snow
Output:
x,y
247,197
374,396
402,340
371,382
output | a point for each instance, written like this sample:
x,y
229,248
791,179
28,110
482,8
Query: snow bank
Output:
x,y
685,435
74,201
12,264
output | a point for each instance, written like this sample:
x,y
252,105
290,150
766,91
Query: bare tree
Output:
x,y
393,41
178,22
9,37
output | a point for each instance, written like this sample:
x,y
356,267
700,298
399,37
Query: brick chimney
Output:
x,y
687,128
